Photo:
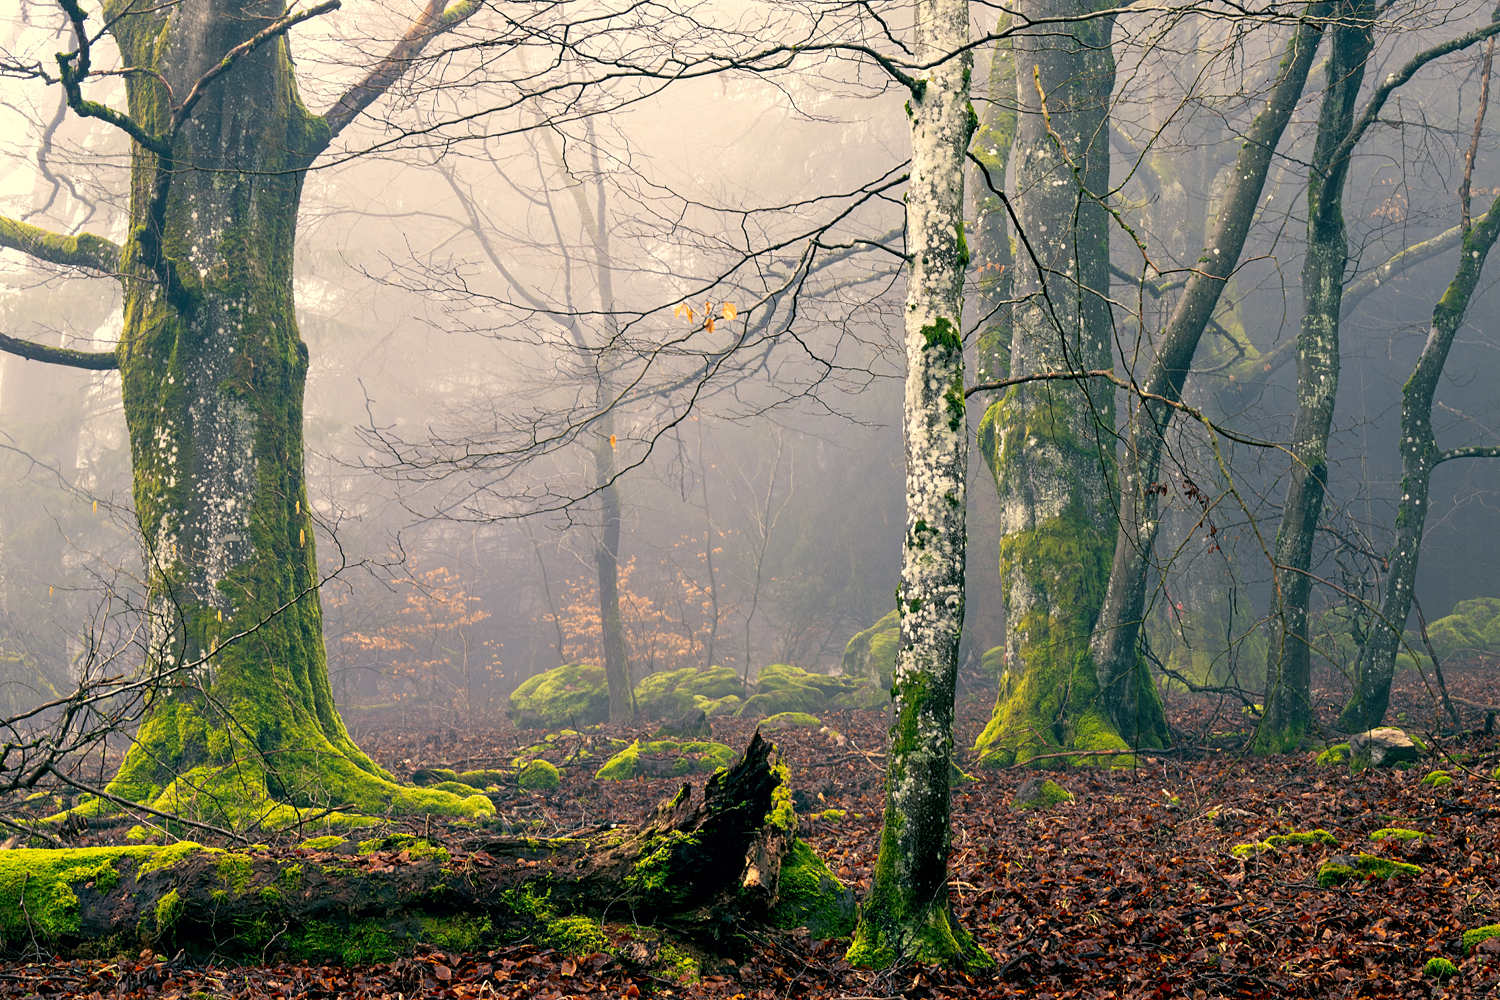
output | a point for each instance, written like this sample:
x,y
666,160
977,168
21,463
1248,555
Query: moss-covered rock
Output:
x,y
539,776
871,654
1271,843
1336,755
1386,746
575,694
1396,833
1040,793
670,693
809,895
1472,938
792,720
666,759
1439,968
1343,868
1437,779
1472,628
781,687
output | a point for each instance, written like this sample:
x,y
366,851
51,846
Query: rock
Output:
x,y
694,722
1474,938
1343,868
872,653
575,694
781,687
1384,747
1334,755
792,720
671,693
539,776
1040,793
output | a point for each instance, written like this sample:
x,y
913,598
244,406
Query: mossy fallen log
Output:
x,y
705,870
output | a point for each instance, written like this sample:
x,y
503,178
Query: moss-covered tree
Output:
x,y
905,916
213,372
1049,444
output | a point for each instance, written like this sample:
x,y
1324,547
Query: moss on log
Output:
x,y
701,869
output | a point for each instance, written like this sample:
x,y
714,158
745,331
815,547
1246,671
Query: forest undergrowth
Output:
x,y
1131,890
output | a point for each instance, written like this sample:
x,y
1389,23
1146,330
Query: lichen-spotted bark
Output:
x,y
1048,444
1420,454
213,372
1289,709
992,264
906,916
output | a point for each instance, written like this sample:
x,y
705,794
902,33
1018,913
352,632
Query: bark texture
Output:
x,y
1048,445
906,916
704,869
1420,454
1289,710
1134,705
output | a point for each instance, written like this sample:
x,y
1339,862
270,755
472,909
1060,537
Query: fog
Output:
x,y
498,262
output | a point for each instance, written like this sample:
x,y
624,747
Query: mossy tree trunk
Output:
x,y
906,917
1420,455
1048,444
213,373
1133,703
708,870
993,262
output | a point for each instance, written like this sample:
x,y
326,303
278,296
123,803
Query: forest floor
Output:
x,y
1129,891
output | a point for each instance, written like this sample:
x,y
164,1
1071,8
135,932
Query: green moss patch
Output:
x,y
666,759
1271,843
782,688
1437,779
539,776
1334,755
575,936
871,654
792,720
809,895
327,843
1439,968
1396,833
670,694
1040,793
1473,938
1368,867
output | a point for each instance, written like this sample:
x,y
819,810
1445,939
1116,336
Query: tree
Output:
x,y
213,373
905,916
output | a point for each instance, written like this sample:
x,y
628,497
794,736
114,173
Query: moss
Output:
x,y
1271,843
872,653
1439,968
692,757
652,871
327,843
792,720
168,911
271,896
809,895
1043,795
676,963
781,687
783,815
1396,833
457,933
575,936
1438,779
832,815
1056,574
1335,755
363,942
575,694
1472,938
1366,866
236,871
539,776
668,694
936,940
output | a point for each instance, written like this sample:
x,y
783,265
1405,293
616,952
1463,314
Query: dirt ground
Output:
x,y
1129,891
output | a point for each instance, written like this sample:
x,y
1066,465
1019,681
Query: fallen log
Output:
x,y
707,871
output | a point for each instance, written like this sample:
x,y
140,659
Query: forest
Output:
x,y
770,498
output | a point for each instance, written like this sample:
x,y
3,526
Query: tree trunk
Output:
x,y
607,559
1134,705
705,870
993,262
1419,456
1288,708
1048,445
213,372
906,916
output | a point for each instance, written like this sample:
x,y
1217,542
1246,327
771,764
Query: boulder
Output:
x,y
670,693
781,687
871,654
666,759
693,723
792,720
575,694
1383,747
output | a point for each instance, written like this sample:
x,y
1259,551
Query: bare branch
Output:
x,y
91,360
